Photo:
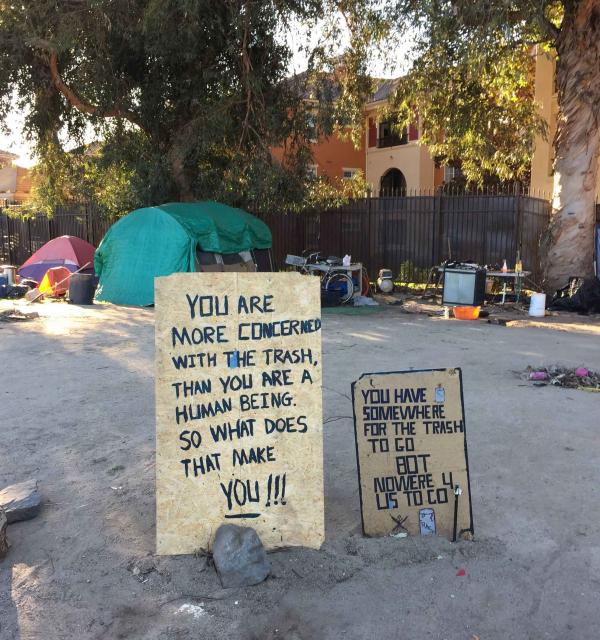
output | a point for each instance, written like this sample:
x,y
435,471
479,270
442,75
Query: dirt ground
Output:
x,y
77,412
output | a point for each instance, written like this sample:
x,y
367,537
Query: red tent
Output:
x,y
67,251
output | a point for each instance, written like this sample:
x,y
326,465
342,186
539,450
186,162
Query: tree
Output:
x,y
471,84
186,96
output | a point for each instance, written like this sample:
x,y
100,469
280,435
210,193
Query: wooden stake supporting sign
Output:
x,y
411,452
238,407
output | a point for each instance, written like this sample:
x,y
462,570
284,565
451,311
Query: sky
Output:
x,y
297,38
14,142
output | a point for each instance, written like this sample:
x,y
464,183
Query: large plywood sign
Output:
x,y
238,406
411,452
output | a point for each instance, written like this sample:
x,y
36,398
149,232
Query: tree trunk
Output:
x,y
181,174
570,240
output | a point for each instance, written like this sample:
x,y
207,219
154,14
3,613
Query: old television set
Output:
x,y
464,285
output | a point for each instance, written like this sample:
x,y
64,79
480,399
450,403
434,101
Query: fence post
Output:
x,y
519,229
11,235
438,247
29,236
89,224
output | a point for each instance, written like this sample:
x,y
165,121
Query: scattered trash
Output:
x,y
21,501
400,534
195,610
581,296
14,315
578,378
239,556
460,573
538,375
141,567
3,540
364,301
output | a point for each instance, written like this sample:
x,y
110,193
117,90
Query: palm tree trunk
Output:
x,y
570,241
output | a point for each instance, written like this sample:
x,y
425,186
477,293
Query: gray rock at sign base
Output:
x,y
3,539
239,556
21,501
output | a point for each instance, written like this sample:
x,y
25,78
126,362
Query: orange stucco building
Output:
x,y
333,157
337,158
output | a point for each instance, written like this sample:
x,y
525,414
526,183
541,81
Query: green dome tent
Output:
x,y
158,241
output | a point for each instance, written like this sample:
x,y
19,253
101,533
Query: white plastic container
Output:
x,y
537,305
10,272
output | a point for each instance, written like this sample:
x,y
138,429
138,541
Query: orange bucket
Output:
x,y
466,313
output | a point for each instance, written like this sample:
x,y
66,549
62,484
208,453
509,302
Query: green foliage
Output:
x,y
472,83
187,99
82,175
411,273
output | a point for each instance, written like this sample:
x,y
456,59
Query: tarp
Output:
x,y
158,241
65,251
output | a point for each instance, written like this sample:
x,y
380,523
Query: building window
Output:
x,y
312,171
348,174
389,136
312,129
451,172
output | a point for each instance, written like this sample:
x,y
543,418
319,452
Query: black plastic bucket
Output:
x,y
82,287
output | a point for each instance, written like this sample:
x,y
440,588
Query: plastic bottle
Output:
x,y
504,267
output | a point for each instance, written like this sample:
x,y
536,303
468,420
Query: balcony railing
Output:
x,y
391,141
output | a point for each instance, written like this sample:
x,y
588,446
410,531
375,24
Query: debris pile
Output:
x,y
578,378
15,315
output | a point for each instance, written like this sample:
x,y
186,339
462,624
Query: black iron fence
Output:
x,y
408,234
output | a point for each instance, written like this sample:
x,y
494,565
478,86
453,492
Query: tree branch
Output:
x,y
83,106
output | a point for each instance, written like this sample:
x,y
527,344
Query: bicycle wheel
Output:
x,y
340,284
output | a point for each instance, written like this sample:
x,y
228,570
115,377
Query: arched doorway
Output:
x,y
393,183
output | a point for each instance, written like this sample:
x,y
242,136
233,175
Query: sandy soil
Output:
x,y
76,411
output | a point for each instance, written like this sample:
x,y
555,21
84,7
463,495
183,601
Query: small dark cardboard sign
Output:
x,y
411,452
